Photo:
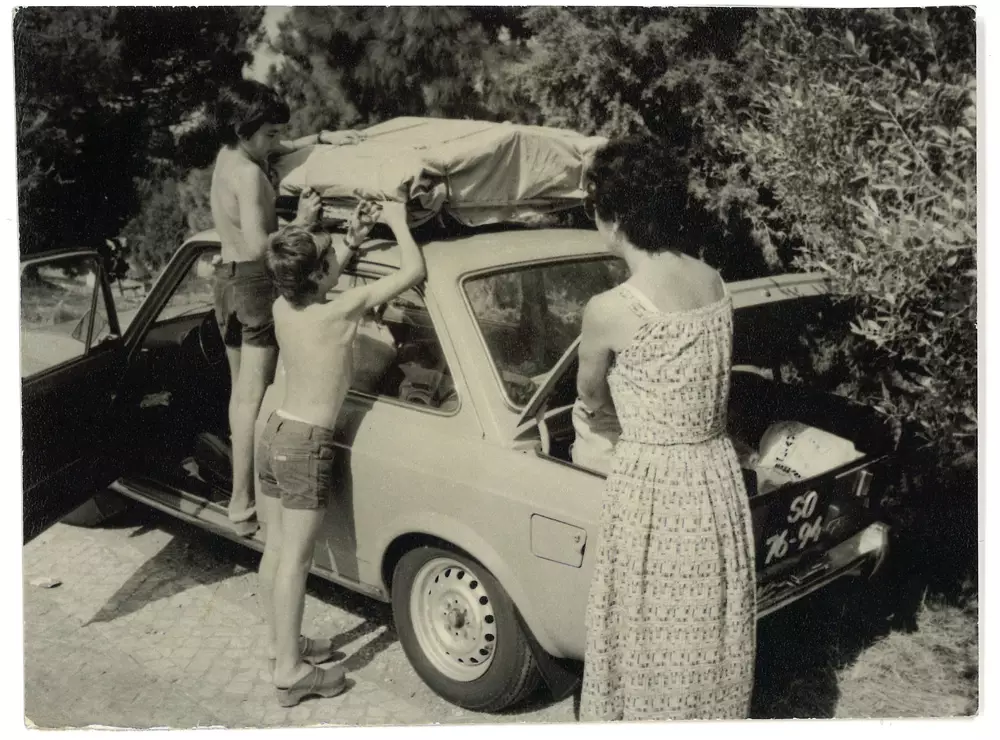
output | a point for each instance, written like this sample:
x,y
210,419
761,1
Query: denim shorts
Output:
x,y
244,300
296,462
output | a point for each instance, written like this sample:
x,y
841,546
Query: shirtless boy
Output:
x,y
249,118
296,453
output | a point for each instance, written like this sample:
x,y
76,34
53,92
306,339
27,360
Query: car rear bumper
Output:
x,y
862,554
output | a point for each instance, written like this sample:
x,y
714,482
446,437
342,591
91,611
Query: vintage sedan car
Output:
x,y
458,500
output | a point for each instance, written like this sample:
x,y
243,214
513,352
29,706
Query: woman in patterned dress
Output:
x,y
671,623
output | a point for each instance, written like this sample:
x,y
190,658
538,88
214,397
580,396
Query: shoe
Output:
x,y
245,529
318,682
312,653
245,524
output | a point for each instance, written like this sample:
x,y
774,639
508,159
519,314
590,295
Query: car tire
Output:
x,y
460,630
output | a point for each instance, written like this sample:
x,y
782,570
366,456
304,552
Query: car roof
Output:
x,y
460,255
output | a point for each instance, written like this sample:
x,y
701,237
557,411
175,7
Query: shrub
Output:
x,y
853,153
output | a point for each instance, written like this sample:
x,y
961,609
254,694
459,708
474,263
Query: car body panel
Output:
x,y
469,477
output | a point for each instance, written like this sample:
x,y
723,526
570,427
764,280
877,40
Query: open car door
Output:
x,y
72,361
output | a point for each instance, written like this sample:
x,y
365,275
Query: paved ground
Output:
x,y
155,624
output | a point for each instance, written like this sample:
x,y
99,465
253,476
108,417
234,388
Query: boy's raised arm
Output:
x,y
411,270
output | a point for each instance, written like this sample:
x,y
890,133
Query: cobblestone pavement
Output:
x,y
155,624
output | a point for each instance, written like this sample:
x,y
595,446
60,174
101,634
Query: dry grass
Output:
x,y
932,672
832,656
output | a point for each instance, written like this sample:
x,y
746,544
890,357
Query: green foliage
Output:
x,y
360,65
194,193
853,153
97,91
173,209
618,70
159,228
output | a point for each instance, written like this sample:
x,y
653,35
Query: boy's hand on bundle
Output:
x,y
365,216
309,207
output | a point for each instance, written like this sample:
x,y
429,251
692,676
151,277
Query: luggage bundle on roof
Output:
x,y
477,172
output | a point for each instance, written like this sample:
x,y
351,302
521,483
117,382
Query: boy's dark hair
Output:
x,y
244,107
641,184
292,260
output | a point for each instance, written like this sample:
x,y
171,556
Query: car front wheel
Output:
x,y
460,631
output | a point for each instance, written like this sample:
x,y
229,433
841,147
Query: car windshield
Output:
x,y
529,316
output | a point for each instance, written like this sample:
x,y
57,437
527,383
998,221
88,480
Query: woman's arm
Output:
x,y
595,356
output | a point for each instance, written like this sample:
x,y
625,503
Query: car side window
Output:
x,y
62,311
397,354
529,316
195,292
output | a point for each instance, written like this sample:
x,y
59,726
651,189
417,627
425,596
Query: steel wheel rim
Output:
x,y
452,616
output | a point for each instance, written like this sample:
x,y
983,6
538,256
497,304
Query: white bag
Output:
x,y
596,437
793,451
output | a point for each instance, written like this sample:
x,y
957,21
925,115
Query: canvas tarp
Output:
x,y
478,172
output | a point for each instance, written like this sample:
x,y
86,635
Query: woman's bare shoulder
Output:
x,y
606,313
608,299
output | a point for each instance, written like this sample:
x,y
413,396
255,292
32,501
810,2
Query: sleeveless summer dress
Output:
x,y
671,616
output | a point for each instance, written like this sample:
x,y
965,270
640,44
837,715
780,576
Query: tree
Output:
x,y
615,71
159,228
98,90
619,70
360,65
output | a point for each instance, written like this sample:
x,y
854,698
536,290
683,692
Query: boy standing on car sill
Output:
x,y
297,450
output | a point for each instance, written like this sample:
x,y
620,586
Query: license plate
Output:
x,y
793,524
796,519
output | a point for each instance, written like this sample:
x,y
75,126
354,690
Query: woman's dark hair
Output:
x,y
292,260
641,184
244,107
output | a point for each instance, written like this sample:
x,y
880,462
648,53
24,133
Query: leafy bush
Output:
x,y
853,153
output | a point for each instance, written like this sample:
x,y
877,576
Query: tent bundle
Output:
x,y
477,172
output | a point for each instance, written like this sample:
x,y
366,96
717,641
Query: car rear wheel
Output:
x,y
460,630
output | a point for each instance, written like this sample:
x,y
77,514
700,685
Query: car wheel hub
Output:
x,y
452,616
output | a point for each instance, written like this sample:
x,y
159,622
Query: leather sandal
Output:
x,y
245,524
246,528
318,682
311,653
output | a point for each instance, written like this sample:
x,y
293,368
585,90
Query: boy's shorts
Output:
x,y
244,303
296,462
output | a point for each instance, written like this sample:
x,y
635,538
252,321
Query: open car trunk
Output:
x,y
809,459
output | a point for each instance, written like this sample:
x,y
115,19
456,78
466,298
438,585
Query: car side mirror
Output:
x,y
114,253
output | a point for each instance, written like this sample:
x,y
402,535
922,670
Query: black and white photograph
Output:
x,y
409,365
